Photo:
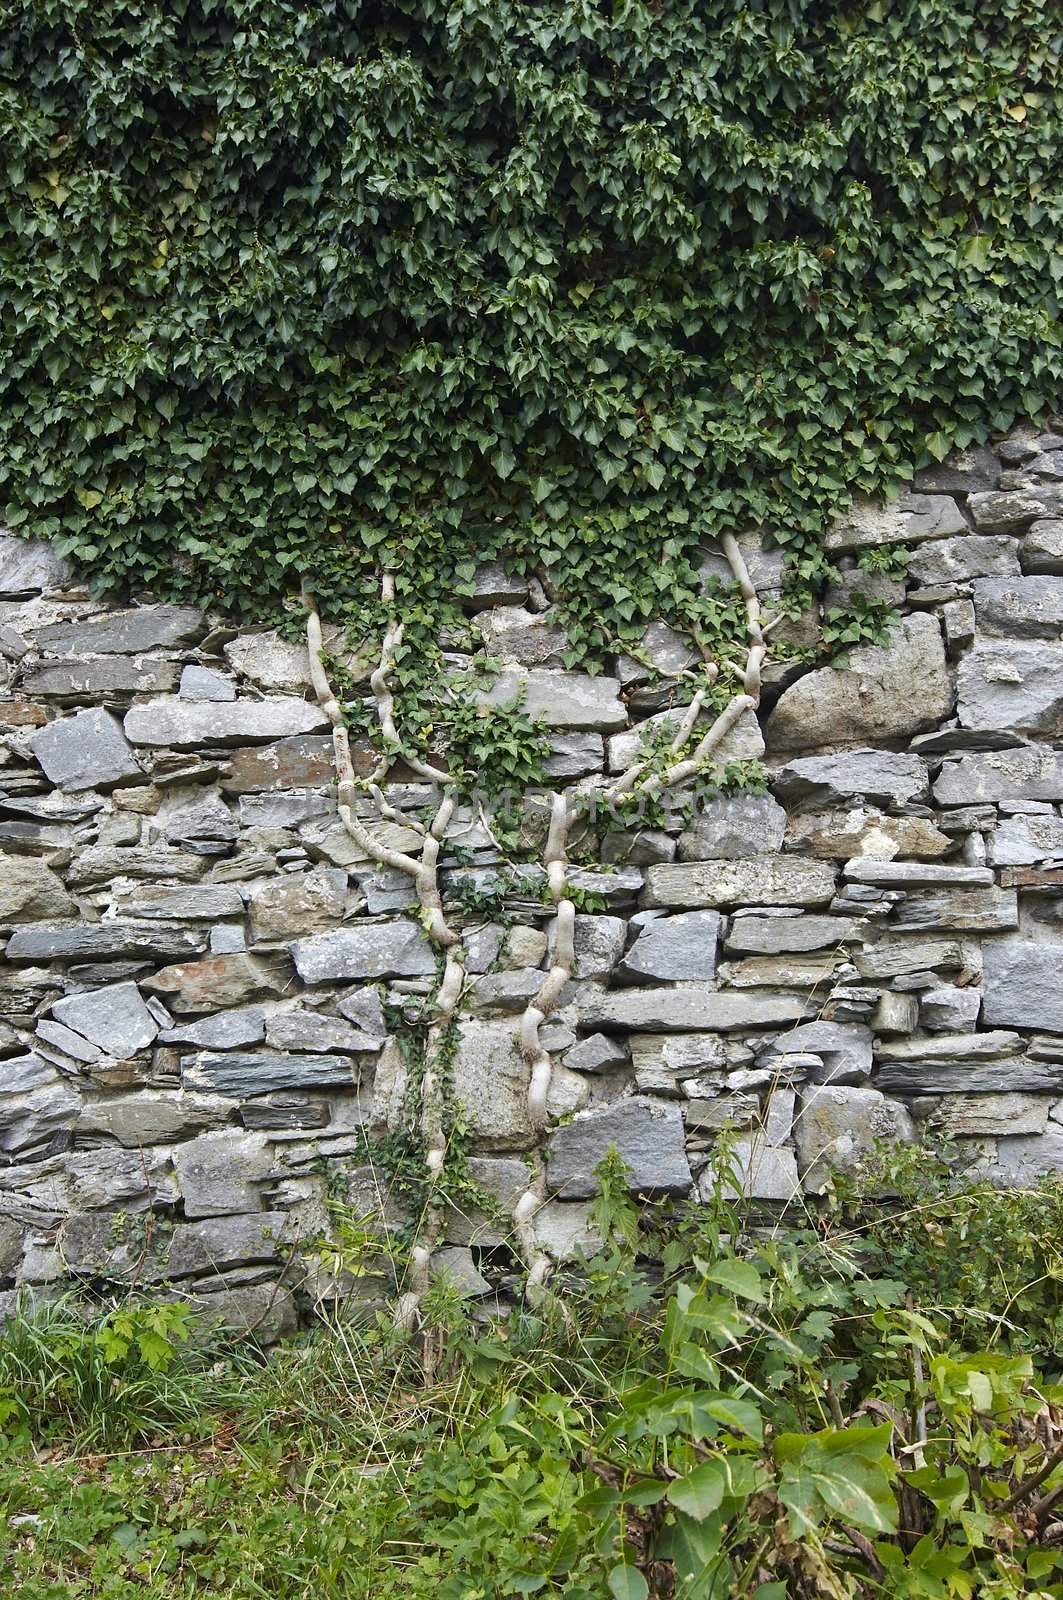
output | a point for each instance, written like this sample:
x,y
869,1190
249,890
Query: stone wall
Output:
x,y
201,973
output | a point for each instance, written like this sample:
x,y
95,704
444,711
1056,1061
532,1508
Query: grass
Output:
x,y
625,1440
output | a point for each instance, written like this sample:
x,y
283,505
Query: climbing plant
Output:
x,y
292,293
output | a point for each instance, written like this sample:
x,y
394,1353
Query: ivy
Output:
x,y
293,293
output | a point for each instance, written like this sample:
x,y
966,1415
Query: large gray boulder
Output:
x,y
1012,687
646,1134
222,1172
85,751
184,724
1023,984
873,697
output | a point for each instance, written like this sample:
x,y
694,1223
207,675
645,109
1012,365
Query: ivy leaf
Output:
x,y
627,1583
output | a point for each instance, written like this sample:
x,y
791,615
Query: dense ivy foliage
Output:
x,y
302,290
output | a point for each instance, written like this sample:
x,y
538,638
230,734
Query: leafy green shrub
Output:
x,y
298,291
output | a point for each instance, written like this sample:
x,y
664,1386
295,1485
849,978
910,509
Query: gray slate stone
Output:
x,y
949,1009
897,958
597,1053
598,943
99,678
226,1030
689,1008
1042,549
1019,607
648,1136
493,586
184,724
837,1129
916,875
564,699
269,661
206,683
30,890
965,910
85,751
944,1047
100,941
1017,687
767,881
989,1115
912,518
884,777
996,512
123,632
864,831
1023,987
677,1064
154,1116
244,1074
29,565
844,1048
958,560
305,904
734,827
366,950
115,1019
38,1106
763,1172
505,993
616,887
284,809
574,755
1021,1162
101,863
1015,1074
203,902
769,936
680,948
308,1030
363,1010
490,1079
222,1172
1023,840
872,698
1033,772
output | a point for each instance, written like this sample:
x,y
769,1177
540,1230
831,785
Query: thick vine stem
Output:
x,y
425,875
757,648
535,1014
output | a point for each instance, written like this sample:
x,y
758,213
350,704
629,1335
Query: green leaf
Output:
x,y
627,1583
740,1277
701,1492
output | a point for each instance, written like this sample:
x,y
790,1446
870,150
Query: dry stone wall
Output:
x,y
204,979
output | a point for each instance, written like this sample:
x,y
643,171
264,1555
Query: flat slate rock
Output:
x,y
688,1008
680,948
960,560
1019,607
226,1030
115,1019
1032,772
85,751
883,777
99,941
201,902
185,724
305,760
964,910
100,678
219,982
243,1074
765,881
872,698
30,891
1016,1074
769,936
28,566
369,950
647,1135
564,699
1023,987
914,517
123,632
1026,840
